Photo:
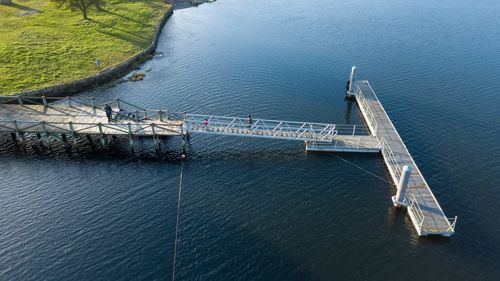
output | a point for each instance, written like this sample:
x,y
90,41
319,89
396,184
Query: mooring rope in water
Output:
x,y
364,170
177,223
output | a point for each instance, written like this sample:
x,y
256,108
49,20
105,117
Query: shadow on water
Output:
x,y
91,149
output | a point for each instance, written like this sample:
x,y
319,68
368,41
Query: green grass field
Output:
x,y
53,45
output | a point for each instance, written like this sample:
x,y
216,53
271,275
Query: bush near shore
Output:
x,y
43,44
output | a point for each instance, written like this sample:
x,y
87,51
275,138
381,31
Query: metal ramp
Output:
x,y
271,129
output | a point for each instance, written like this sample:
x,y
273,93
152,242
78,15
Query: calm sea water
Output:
x,y
265,210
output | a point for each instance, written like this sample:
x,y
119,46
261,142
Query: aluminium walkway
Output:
x,y
423,207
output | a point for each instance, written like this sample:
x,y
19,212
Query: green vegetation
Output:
x,y
83,5
43,44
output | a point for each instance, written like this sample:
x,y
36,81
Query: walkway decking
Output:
x,y
423,208
76,118
347,143
57,119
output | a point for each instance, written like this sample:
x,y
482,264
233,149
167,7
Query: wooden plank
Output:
x,y
83,118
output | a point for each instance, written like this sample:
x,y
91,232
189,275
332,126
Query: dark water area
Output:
x,y
266,210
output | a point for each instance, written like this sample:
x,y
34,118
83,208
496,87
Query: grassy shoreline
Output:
x,y
42,45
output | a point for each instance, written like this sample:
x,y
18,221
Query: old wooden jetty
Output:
x,y
67,119
61,119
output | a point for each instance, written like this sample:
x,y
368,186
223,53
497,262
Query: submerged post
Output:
x,y
399,198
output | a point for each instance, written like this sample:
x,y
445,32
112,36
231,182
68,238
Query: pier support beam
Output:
x,y
92,104
130,135
155,138
19,133
72,130
101,134
399,198
45,135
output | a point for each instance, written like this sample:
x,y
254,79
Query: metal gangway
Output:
x,y
270,129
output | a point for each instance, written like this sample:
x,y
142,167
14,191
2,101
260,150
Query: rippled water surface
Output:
x,y
265,210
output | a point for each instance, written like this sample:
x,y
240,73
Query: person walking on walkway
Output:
x,y
108,111
250,120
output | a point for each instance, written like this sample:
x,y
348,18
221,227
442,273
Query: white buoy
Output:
x,y
399,198
351,79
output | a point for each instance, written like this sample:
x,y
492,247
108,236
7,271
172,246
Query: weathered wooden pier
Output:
x,y
65,120
59,119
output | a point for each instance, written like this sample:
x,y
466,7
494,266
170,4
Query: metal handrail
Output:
x,y
414,207
225,121
391,159
261,127
362,103
76,127
453,222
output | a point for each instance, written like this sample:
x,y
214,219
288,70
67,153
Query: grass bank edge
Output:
x,y
29,61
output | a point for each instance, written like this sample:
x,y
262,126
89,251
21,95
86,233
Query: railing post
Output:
x,y
20,134
118,103
45,132
136,113
354,130
131,140
20,100
103,141
399,198
69,101
160,113
155,140
72,129
45,104
92,104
